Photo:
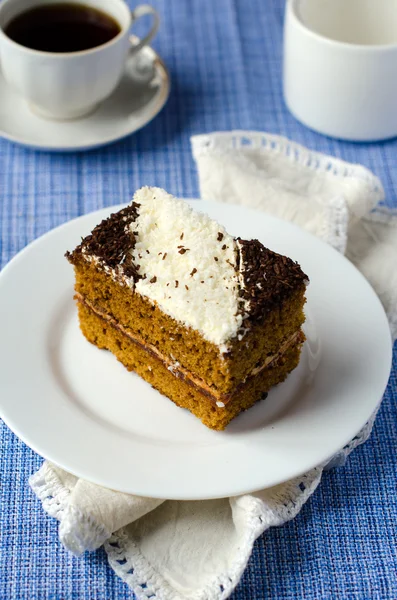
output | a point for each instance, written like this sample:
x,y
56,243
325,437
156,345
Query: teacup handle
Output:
x,y
137,13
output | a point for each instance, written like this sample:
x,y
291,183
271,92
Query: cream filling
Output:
x,y
283,348
174,366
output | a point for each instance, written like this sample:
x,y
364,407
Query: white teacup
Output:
x,y
340,66
71,84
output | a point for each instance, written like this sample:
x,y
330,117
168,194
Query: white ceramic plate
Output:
x,y
141,94
78,407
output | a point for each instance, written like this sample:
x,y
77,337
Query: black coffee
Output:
x,y
62,28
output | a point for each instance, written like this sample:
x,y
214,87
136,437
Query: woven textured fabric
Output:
x,y
225,63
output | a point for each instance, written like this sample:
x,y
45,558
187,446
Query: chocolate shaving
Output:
x,y
224,247
183,250
216,259
176,283
182,234
186,287
220,236
276,275
193,272
112,242
153,279
165,254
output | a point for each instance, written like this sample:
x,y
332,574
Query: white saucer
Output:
x,y
80,408
142,93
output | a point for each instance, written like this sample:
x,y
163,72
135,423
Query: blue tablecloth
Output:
x,y
225,62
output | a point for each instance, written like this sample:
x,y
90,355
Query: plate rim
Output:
x,y
202,206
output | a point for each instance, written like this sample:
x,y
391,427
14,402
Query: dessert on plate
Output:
x,y
209,320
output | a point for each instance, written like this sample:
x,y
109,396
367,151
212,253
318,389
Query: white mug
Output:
x,y
71,84
340,66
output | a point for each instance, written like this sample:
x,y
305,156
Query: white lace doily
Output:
x,y
199,550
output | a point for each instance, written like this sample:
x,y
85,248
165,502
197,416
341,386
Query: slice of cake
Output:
x,y
209,320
